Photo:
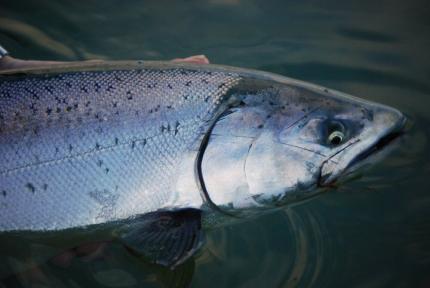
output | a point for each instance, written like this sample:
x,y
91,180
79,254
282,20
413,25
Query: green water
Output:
x,y
374,232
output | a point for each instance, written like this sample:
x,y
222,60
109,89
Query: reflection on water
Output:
x,y
373,232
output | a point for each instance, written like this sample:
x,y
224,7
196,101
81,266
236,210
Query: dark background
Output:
x,y
374,232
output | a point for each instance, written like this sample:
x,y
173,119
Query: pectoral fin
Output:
x,y
167,238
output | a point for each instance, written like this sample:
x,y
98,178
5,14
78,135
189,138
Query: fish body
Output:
x,y
81,148
172,144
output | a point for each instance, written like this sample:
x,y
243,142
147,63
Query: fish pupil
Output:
x,y
336,140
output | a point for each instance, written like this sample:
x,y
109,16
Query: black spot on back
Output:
x,y
30,187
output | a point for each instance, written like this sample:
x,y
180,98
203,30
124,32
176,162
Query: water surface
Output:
x,y
373,232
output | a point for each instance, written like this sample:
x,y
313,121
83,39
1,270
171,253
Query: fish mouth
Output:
x,y
379,147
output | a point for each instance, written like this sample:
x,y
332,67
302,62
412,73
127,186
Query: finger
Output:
x,y
196,59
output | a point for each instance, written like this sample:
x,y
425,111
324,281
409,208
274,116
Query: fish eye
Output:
x,y
336,137
336,133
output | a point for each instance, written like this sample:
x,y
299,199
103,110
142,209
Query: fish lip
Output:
x,y
380,144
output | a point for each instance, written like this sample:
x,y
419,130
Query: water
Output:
x,y
374,232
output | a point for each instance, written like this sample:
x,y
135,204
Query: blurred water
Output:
x,y
374,232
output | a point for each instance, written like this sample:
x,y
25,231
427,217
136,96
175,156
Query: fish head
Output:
x,y
287,141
